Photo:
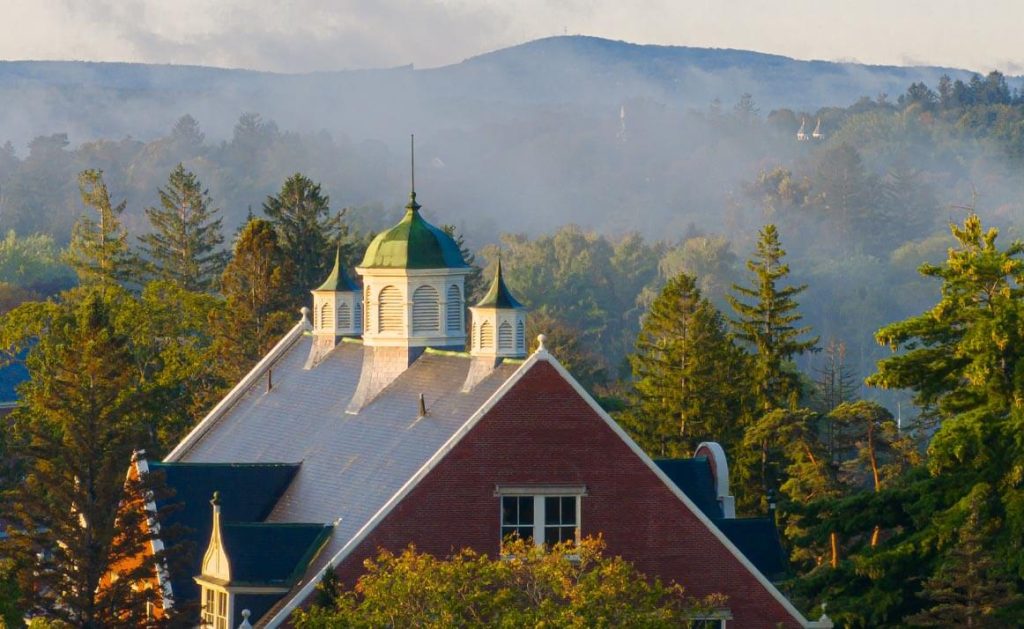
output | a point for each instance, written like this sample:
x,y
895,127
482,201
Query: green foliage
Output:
x,y
33,263
565,586
99,251
307,232
690,380
256,285
184,246
85,409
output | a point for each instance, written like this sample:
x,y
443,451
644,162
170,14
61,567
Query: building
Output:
x,y
371,424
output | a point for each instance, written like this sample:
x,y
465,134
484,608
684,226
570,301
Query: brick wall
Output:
x,y
543,432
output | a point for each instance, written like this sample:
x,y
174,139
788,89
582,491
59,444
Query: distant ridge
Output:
x,y
93,99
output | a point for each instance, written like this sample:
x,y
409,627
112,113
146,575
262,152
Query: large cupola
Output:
x,y
414,286
499,322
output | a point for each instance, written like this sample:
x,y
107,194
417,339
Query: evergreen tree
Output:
x,y
689,378
307,232
99,251
257,299
474,285
82,413
969,589
185,244
769,323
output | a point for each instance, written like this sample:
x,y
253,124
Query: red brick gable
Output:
x,y
541,431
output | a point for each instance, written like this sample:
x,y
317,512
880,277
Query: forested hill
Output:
x,y
94,100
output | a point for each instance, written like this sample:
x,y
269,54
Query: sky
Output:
x,y
312,35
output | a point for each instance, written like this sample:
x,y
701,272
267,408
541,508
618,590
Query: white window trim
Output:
x,y
539,493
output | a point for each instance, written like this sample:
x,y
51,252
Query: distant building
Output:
x,y
803,136
372,425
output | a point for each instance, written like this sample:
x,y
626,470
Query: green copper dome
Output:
x,y
413,244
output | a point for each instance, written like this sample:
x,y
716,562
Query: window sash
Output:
x,y
556,515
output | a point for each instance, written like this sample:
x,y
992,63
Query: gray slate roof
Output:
x,y
351,464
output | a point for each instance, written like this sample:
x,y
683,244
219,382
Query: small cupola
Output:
x,y
337,311
499,322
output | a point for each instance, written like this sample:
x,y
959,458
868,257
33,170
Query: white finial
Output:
x,y
541,338
245,620
305,314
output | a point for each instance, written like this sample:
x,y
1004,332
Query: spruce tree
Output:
x,y
307,232
82,413
689,378
257,300
185,244
99,251
767,320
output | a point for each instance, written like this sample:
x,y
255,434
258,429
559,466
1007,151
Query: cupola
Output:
x,y
413,286
337,311
499,322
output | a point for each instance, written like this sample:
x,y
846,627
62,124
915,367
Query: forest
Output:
x,y
862,290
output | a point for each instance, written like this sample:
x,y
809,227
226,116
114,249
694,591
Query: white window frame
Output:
x,y
539,493
217,614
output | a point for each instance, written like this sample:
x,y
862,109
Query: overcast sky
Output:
x,y
307,35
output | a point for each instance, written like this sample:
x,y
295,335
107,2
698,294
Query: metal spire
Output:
x,y
412,172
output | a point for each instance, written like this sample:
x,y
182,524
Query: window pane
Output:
x,y
509,513
526,510
551,510
569,510
551,535
568,533
526,533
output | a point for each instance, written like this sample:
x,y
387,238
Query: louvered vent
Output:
x,y
426,316
390,316
505,337
486,335
366,313
520,336
344,316
359,315
326,316
453,309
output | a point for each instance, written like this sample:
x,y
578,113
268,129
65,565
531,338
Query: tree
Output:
x,y
568,585
769,324
474,286
185,244
689,378
969,589
82,414
257,299
567,344
99,251
307,231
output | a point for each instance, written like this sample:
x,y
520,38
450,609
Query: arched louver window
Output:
x,y
505,337
486,335
453,309
358,318
326,316
520,336
476,336
426,315
390,315
344,316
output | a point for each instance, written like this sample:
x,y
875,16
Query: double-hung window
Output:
x,y
545,514
215,609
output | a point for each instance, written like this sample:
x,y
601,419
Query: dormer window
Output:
x,y
215,608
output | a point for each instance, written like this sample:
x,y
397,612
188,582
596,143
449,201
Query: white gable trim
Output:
x,y
240,389
541,354
156,544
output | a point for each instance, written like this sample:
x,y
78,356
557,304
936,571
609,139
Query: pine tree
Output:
x,y
99,251
257,299
689,377
83,412
969,589
474,281
307,232
769,324
184,246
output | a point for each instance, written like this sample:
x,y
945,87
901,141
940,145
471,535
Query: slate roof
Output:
x,y
294,546
248,493
498,295
352,464
757,538
413,244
